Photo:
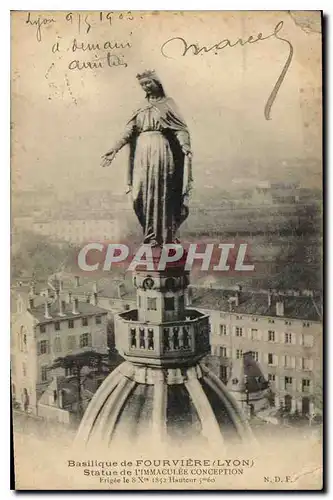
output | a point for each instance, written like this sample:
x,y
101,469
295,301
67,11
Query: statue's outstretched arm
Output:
x,y
126,137
184,140
128,133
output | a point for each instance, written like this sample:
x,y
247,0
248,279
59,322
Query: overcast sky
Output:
x,y
64,120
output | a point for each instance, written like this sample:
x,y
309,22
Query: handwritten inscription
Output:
x,y
110,60
38,23
111,53
79,19
179,46
82,22
106,53
108,45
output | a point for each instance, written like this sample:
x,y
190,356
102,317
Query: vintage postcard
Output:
x,y
166,251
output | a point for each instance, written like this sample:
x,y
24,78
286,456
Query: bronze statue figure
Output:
x,y
160,170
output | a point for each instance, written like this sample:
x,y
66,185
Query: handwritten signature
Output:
x,y
180,45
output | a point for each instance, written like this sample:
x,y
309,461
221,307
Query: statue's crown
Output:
x,y
147,73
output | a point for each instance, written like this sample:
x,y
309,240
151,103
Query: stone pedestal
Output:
x,y
162,391
161,331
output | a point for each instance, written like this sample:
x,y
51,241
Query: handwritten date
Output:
x,y
83,22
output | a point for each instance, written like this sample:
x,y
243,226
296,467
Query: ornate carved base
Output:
x,y
162,391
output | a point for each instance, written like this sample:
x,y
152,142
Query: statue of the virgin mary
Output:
x,y
159,172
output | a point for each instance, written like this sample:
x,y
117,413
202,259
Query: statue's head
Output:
x,y
151,84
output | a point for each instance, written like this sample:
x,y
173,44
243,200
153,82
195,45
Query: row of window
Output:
x,y
287,405
44,373
306,324
270,335
93,223
169,303
224,352
22,340
85,340
288,382
269,358
290,362
173,338
70,322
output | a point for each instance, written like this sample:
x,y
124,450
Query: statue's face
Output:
x,y
149,86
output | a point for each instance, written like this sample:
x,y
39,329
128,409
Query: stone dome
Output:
x,y
168,404
248,385
163,392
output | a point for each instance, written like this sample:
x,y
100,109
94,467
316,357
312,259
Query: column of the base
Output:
x,y
210,427
159,406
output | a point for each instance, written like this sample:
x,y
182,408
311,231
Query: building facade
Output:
x,y
78,230
283,332
44,330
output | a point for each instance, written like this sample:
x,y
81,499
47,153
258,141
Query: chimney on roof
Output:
x,y
232,302
121,290
31,303
238,295
269,298
47,314
77,281
236,299
189,296
62,307
75,306
95,287
280,308
95,298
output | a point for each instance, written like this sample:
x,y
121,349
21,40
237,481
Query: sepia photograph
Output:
x,y
167,250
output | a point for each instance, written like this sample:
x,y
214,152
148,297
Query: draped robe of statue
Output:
x,y
156,134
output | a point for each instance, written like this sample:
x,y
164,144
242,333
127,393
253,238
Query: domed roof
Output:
x,y
246,374
169,404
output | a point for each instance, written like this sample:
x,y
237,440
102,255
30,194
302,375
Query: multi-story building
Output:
x,y
76,230
114,293
44,329
284,332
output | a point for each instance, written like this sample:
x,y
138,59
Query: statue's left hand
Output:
x,y
188,188
187,152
